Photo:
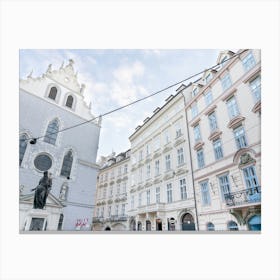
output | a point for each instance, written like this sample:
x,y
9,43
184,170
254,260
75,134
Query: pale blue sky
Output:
x,y
116,77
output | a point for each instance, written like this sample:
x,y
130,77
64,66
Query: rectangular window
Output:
x,y
250,177
112,175
140,155
169,193
109,211
208,78
111,191
157,168
166,136
196,131
178,130
226,82
194,92
200,158
125,169
224,186
240,139
233,110
180,156
123,210
212,122
118,189
205,195
104,192
102,212
148,171
194,110
183,189
124,187
139,199
248,62
167,162
117,210
140,174
156,143
119,170
218,149
97,212
147,150
132,202
255,86
148,197
208,97
157,194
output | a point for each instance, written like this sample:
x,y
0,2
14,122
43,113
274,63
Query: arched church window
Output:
x,y
22,147
51,133
69,101
63,192
67,164
53,93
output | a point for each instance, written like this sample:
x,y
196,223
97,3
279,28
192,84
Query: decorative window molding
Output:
x,y
198,145
215,134
229,94
235,121
257,107
210,110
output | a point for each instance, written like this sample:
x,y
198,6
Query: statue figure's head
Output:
x,y
45,174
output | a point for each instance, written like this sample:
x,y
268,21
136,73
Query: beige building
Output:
x,y
111,193
223,112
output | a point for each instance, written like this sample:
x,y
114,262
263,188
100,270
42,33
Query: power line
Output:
x,y
34,139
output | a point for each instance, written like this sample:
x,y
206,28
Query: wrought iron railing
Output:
x,y
246,196
114,218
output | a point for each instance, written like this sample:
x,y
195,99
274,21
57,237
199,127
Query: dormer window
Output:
x,y
194,92
208,78
223,61
53,93
69,101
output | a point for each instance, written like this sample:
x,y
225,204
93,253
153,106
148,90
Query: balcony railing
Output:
x,y
122,218
246,196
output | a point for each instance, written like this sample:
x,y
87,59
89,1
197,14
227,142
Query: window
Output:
x,y
139,199
97,212
22,147
248,62
240,139
148,226
147,150
148,197
119,170
157,194
166,136
210,227
125,169
180,156
157,168
208,78
102,212
63,192
194,110
218,149
140,155
250,177
118,189
104,192
67,164
183,189
156,143
255,86
208,97
178,130
124,187
212,122
169,193
148,171
123,210
232,107
140,174
43,162
117,210
60,222
132,202
51,133
200,158
53,93
226,82
223,61
109,211
224,186
205,195
196,131
194,92
167,162
111,191
232,226
69,101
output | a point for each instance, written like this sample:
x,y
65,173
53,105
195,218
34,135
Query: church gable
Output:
x,y
52,201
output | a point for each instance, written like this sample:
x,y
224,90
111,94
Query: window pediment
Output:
x,y
235,121
257,107
215,134
198,145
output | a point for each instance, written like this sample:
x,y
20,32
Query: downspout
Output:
x,y
188,134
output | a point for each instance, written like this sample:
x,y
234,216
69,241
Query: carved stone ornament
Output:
x,y
245,159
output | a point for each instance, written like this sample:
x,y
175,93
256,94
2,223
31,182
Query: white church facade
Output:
x,y
48,105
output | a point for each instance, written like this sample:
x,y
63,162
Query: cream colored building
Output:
x,y
223,112
111,193
161,191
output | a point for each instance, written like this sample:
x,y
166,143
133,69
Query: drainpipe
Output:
x,y
188,132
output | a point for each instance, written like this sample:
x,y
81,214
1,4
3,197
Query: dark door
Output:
x,y
188,222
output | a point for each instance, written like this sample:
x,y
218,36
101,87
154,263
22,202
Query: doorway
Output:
x,y
188,222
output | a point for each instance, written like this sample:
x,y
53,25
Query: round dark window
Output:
x,y
43,162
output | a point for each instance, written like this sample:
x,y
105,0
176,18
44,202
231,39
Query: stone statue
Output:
x,y
42,191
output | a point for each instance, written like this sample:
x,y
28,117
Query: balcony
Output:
x,y
115,218
155,207
97,220
243,197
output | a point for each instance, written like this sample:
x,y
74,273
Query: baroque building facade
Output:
x,y
49,104
195,164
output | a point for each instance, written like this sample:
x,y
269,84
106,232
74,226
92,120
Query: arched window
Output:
x,y
63,192
255,223
69,101
148,225
51,133
22,147
67,164
210,226
232,226
53,93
